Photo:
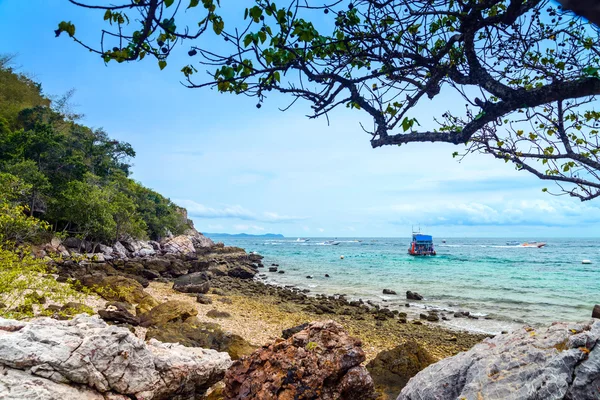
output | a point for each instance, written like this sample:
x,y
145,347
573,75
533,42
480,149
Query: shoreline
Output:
x,y
260,312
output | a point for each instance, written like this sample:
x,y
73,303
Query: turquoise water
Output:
x,y
506,286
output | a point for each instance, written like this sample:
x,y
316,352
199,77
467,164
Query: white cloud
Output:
x,y
507,213
236,211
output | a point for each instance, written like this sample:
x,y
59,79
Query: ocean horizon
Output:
x,y
504,286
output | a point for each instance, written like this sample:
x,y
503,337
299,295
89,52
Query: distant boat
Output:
x,y
513,243
302,240
443,240
331,242
539,245
421,245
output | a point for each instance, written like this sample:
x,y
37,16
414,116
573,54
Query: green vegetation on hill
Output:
x,y
70,176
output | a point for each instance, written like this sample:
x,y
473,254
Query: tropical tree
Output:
x,y
526,70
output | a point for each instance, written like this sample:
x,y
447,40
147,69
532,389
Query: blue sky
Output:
x,y
239,169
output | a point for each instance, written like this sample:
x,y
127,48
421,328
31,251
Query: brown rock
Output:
x,y
193,333
320,362
118,312
392,369
170,311
596,311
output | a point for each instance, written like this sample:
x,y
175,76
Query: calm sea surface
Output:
x,y
509,284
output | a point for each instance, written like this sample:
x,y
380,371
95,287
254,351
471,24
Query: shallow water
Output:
x,y
509,284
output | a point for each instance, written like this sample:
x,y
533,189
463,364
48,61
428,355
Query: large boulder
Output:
x,y
119,251
320,362
170,311
120,288
84,358
393,368
180,245
558,362
193,333
196,282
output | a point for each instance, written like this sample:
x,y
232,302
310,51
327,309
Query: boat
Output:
x,y
513,243
539,245
421,245
331,242
443,240
302,240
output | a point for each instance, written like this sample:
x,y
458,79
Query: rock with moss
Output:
x,y
170,311
193,333
120,288
561,361
393,368
218,314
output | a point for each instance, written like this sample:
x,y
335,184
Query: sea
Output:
x,y
504,285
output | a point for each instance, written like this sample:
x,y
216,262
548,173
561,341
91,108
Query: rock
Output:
x,y
320,362
192,283
218,314
288,333
202,299
78,244
242,272
272,269
413,295
106,250
157,264
179,245
193,333
118,312
432,317
119,251
392,369
327,276
596,311
84,358
120,288
281,271
309,277
225,300
20,385
170,311
561,361
388,291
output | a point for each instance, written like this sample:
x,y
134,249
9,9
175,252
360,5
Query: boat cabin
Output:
x,y
421,245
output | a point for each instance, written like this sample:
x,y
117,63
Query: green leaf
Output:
x,y
66,27
218,25
248,39
162,64
193,3
169,3
107,15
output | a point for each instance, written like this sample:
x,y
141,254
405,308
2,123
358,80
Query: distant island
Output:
x,y
244,235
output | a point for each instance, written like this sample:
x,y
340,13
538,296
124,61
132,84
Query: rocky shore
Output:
x,y
209,298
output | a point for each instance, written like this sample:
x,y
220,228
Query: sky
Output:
x,y
240,169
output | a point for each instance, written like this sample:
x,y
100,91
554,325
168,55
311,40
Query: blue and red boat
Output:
x,y
421,245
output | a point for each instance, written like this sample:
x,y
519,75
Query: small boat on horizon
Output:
x,y
539,245
302,240
331,242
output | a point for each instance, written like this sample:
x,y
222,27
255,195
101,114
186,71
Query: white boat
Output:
x,y
331,242
539,245
302,240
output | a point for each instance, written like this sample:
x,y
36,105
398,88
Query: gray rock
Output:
x,y
88,355
196,282
596,311
20,385
388,291
119,251
413,295
558,362
179,245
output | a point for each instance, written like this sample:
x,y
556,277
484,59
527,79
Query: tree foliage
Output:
x,y
526,71
74,179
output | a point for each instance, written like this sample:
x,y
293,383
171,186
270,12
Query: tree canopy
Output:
x,y
527,71
71,177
